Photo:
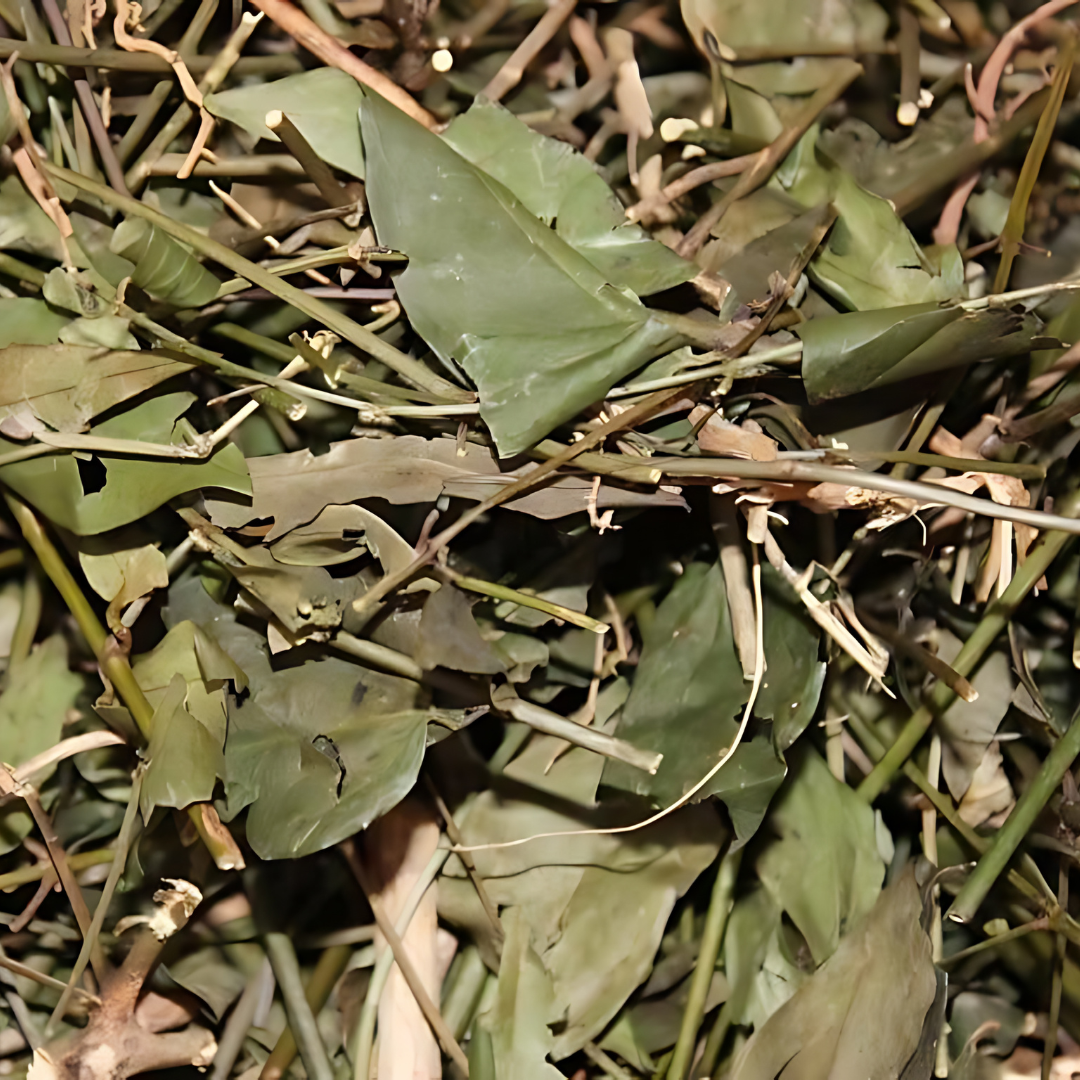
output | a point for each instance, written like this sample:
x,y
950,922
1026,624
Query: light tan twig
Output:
x,y
330,51
509,75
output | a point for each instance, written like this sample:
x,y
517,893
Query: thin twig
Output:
x,y
45,52
28,972
695,178
524,599
282,956
454,833
768,159
982,637
86,102
411,370
405,964
60,865
314,167
128,828
643,410
327,972
509,75
934,664
331,52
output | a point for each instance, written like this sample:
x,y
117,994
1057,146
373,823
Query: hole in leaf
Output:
x,y
92,474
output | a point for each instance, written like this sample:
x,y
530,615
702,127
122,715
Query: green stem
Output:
x,y
984,635
81,860
23,271
409,369
712,935
604,1062
301,1019
524,599
1013,233
148,110
128,828
1059,968
1009,837
1031,883
998,939
26,627
47,53
112,662
327,972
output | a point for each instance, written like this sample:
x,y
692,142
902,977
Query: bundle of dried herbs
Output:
x,y
539,539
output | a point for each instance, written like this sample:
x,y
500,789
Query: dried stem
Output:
x,y
331,52
640,412
695,178
118,60
327,972
86,102
301,1018
314,167
992,623
509,75
1012,834
768,159
401,956
409,369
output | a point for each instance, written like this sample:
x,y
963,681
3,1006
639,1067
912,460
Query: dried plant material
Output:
x,y
396,850
315,459
990,794
175,908
719,436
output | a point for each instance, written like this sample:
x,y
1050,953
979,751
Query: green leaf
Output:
x,y
689,691
133,486
562,188
791,686
869,260
24,226
335,536
786,26
760,973
185,757
33,706
524,1004
484,278
322,103
164,268
208,975
449,637
67,385
846,354
596,958
593,965
968,727
108,331
318,752
27,321
120,569
861,1013
824,870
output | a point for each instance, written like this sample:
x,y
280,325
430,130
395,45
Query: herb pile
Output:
x,y
545,551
